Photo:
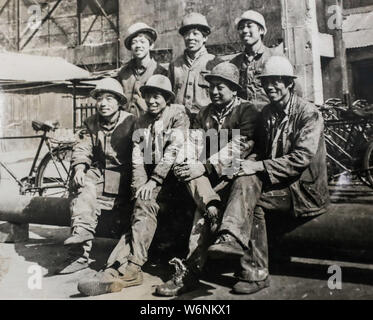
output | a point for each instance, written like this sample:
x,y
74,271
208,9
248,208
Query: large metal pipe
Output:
x,y
347,226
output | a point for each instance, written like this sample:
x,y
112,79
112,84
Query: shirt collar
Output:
x,y
285,111
141,69
227,109
257,54
200,53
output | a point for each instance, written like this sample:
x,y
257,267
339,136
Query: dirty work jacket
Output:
x,y
132,82
188,81
156,143
302,165
249,72
101,149
241,117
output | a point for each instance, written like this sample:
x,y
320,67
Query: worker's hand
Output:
x,y
145,191
249,167
189,171
79,177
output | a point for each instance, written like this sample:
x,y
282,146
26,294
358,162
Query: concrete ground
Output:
x,y
301,279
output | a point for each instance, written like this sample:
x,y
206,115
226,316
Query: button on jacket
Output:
x,y
164,134
242,117
132,79
188,82
249,72
301,162
99,148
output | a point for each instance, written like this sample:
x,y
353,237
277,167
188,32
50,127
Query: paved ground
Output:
x,y
44,253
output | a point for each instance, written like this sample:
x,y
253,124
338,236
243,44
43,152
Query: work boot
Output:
x,y
78,236
104,281
111,280
132,275
250,287
75,266
182,281
225,245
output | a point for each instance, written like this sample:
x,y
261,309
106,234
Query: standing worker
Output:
x,y
187,72
140,40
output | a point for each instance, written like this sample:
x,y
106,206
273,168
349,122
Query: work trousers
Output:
x,y
237,196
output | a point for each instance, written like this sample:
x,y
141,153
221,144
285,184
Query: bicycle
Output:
x,y
51,176
349,139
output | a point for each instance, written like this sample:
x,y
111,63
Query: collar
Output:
x,y
258,53
226,110
109,125
159,115
287,110
142,68
200,53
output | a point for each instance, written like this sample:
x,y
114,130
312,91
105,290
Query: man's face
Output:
x,y
194,40
140,46
107,104
220,92
275,88
155,101
250,32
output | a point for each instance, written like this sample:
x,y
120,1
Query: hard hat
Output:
x,y
277,66
252,16
137,28
194,20
109,85
158,82
226,71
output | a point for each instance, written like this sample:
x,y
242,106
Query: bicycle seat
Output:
x,y
43,126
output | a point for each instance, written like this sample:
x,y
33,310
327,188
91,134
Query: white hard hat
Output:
x,y
253,16
109,85
277,66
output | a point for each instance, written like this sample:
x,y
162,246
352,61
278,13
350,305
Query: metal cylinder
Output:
x,y
346,226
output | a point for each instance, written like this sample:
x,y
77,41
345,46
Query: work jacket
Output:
x,y
107,152
249,72
229,136
131,82
188,80
156,143
300,162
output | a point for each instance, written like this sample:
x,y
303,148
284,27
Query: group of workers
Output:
x,y
236,133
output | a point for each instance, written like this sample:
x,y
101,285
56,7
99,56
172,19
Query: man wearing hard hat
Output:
x,y
162,128
252,28
101,162
291,166
227,115
187,72
140,40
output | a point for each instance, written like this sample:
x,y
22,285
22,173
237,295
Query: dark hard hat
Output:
x,y
194,20
226,71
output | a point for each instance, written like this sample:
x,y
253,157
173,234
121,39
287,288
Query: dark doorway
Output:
x,y
363,80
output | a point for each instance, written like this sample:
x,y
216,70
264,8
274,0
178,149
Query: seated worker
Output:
x,y
229,122
140,40
101,162
159,135
287,175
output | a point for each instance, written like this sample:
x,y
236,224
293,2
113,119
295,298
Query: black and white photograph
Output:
x,y
208,151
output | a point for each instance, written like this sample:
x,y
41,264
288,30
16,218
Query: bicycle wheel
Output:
x,y
53,173
368,163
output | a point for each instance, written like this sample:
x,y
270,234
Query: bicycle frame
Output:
x,y
24,187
